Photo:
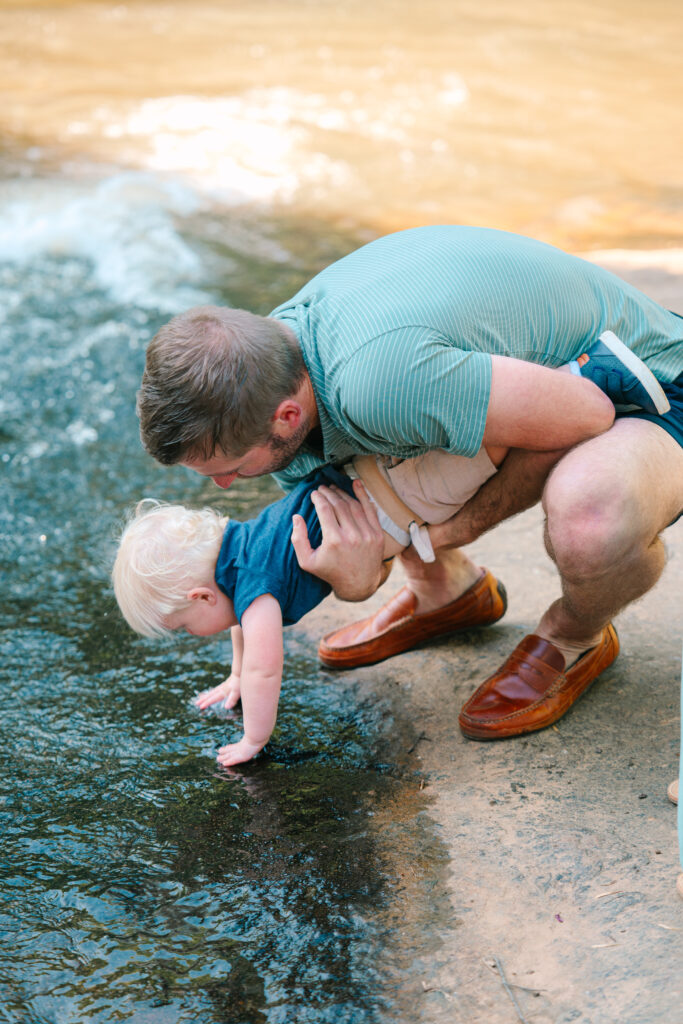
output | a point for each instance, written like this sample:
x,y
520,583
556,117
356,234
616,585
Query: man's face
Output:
x,y
277,453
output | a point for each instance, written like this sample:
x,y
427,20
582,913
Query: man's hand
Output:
x,y
228,692
350,556
516,486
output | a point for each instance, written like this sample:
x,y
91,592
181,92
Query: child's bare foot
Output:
x,y
672,791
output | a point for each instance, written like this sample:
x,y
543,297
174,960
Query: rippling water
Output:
x,y
139,882
154,155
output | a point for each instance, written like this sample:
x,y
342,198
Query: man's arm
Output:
x,y
540,409
516,486
531,407
541,414
261,679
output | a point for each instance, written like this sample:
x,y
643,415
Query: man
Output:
x,y
446,338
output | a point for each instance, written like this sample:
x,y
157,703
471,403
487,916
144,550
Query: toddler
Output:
x,y
178,568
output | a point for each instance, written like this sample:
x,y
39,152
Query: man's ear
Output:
x,y
202,594
287,417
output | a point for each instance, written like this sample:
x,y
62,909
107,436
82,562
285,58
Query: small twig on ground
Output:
x,y
422,736
606,945
428,988
617,892
501,973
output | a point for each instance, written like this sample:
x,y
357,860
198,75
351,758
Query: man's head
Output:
x,y
214,383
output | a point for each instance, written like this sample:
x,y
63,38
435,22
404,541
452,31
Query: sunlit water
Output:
x,y
558,120
156,155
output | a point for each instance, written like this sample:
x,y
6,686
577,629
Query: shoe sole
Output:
x,y
638,369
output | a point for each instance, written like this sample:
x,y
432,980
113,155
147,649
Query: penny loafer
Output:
x,y
397,626
532,690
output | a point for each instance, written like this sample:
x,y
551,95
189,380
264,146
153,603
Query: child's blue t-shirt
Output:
x,y
257,557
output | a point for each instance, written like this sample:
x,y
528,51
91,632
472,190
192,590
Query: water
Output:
x,y
155,155
557,120
139,882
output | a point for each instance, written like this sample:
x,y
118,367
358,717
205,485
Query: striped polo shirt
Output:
x,y
397,337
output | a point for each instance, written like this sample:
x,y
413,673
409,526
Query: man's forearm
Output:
x,y
516,486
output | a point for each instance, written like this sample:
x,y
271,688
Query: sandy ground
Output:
x,y
562,844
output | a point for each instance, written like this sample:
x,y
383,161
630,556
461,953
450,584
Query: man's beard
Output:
x,y
285,449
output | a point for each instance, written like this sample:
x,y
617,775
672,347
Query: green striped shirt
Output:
x,y
398,336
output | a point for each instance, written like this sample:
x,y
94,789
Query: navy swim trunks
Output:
x,y
671,421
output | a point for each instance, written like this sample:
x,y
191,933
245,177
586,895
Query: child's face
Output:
x,y
210,612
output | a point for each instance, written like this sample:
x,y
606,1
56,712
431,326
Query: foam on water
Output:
x,y
126,225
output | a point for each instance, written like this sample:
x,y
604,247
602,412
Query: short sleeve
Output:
x,y
249,585
412,390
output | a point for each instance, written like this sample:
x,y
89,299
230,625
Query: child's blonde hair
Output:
x,y
164,551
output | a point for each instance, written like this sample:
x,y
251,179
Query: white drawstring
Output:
x,y
421,541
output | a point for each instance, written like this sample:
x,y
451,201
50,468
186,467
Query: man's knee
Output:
x,y
590,525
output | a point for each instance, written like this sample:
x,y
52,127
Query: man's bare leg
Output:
x,y
606,503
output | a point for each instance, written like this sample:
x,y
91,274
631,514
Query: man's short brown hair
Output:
x,y
213,379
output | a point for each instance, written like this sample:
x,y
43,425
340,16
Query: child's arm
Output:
x,y
228,691
261,679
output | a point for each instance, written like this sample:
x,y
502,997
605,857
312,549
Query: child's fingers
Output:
x,y
232,699
237,753
209,697
230,757
202,701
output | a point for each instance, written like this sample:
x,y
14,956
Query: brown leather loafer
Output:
x,y
532,690
397,627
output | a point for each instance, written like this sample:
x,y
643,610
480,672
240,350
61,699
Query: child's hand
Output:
x,y
238,753
229,692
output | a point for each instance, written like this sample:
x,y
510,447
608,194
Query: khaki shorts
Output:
x,y
427,489
436,485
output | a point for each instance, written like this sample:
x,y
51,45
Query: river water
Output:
x,y
154,155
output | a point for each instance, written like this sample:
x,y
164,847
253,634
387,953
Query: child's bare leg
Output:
x,y
436,486
436,584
